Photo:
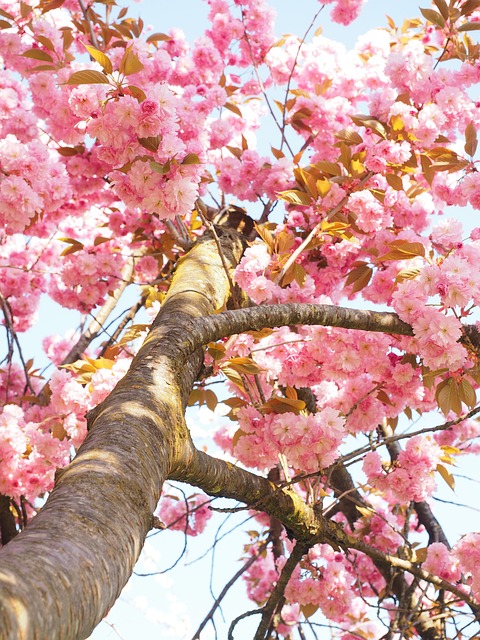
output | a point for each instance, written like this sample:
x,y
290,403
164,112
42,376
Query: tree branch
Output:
x,y
274,602
226,588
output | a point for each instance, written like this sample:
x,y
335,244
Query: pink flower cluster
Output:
x,y
411,476
308,442
329,582
29,454
465,553
31,183
190,516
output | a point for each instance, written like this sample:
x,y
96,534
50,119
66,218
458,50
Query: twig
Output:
x,y
276,598
13,338
211,227
93,37
290,76
226,588
317,228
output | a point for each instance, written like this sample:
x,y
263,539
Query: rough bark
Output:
x,y
60,576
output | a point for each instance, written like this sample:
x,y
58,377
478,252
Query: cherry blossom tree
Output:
x,y
129,161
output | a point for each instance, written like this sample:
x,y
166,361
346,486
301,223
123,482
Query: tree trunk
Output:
x,y
60,576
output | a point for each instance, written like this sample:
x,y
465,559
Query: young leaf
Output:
x,y
359,277
448,397
433,17
233,108
87,76
38,54
100,57
156,37
191,158
283,405
137,93
47,43
471,140
447,476
243,365
130,63
442,7
294,196
151,143
401,250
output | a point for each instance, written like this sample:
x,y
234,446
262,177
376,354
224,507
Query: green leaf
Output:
x,y
87,76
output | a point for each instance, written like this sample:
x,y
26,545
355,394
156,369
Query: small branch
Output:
x,y
211,227
129,316
226,588
422,509
276,599
317,228
290,75
177,235
93,37
386,559
13,338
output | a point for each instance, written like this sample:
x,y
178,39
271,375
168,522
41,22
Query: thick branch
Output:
x,y
219,478
229,323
